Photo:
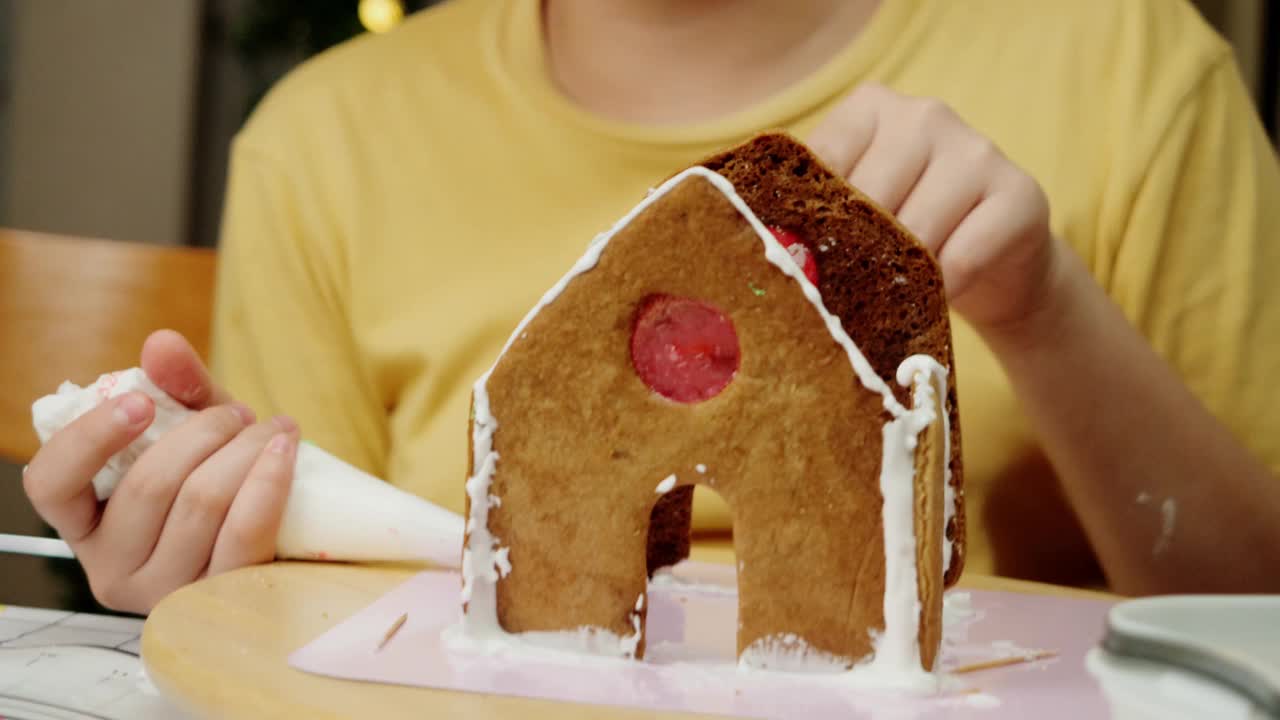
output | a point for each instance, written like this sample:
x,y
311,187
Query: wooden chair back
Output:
x,y
73,308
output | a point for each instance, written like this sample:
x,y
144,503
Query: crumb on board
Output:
x,y
1006,661
391,631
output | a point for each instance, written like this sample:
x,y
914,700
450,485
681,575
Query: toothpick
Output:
x,y
391,631
1005,662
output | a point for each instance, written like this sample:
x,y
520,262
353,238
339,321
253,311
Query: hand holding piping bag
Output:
x,y
200,487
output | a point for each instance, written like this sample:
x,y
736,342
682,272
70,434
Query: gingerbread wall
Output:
x,y
792,444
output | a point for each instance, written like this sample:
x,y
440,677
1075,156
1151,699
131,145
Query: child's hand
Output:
x,y
206,498
985,219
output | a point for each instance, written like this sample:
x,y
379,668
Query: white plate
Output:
x,y
1192,656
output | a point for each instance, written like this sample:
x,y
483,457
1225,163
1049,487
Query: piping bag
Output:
x,y
334,512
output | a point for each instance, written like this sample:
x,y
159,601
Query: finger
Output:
x,y
59,479
849,129
132,519
187,540
994,230
175,367
248,535
889,169
943,196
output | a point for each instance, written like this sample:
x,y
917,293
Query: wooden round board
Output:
x,y
219,647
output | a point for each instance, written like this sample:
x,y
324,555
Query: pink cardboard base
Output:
x,y
690,663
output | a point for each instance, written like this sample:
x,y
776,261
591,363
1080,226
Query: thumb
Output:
x,y
175,367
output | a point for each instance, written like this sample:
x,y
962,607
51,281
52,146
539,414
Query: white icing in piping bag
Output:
x,y
335,511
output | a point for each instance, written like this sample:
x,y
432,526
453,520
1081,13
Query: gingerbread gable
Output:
x,y
872,273
834,485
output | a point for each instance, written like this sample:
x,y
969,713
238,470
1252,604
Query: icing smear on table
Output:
x,y
896,659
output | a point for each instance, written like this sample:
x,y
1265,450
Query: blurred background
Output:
x,y
116,117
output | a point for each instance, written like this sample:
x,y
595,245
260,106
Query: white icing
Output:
x,y
702,469
484,563
957,609
958,617
584,639
1168,516
1009,648
906,371
628,645
334,511
789,652
897,646
799,254
665,486
51,413
479,561
664,578
985,701
502,561
897,649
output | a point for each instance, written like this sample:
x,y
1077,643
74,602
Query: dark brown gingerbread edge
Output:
x,y
772,154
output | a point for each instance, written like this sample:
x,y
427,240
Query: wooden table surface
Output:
x,y
218,648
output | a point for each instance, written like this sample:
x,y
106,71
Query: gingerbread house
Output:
x,y
757,327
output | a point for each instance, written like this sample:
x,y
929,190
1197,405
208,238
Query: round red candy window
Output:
x,y
684,350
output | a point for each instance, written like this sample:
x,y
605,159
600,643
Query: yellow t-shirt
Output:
x,y
397,204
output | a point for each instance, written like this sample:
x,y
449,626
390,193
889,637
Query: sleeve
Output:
x,y
1196,265
282,342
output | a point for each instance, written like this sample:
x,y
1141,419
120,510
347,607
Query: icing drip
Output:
x,y
629,644
909,368
480,560
485,561
585,639
789,652
665,486
898,648
502,561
